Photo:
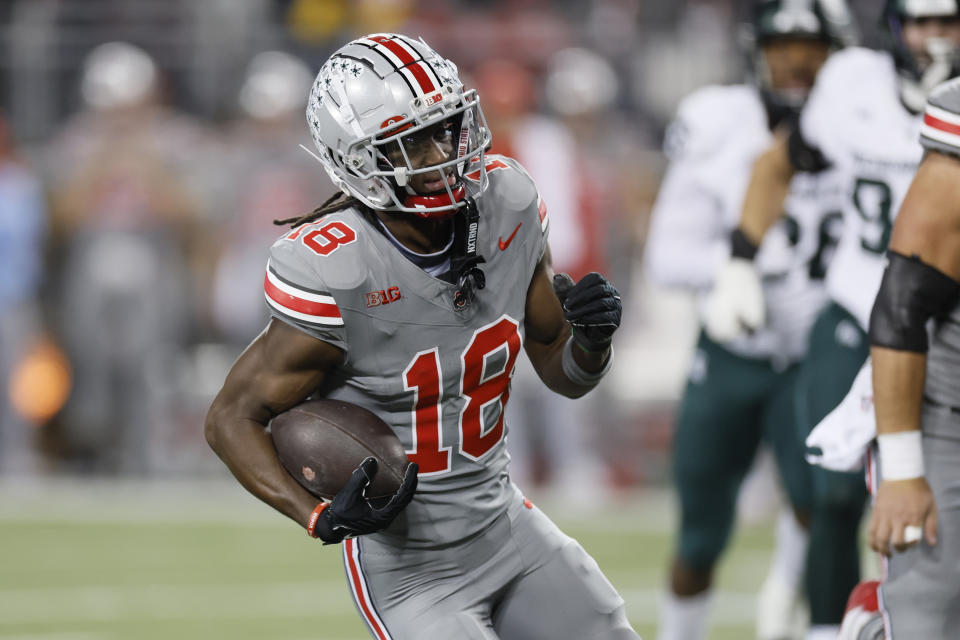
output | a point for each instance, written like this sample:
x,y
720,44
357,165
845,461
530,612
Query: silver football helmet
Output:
x,y
367,106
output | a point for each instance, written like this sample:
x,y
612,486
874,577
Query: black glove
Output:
x,y
350,514
592,306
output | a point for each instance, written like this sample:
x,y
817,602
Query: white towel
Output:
x,y
843,436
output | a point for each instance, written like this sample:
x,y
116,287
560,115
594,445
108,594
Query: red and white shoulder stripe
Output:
x,y
303,305
941,126
542,210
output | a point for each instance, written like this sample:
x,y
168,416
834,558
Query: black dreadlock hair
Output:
x,y
336,202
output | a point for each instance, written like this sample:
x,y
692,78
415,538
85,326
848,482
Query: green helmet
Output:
x,y
826,20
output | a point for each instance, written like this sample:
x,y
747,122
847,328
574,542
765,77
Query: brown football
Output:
x,y
321,442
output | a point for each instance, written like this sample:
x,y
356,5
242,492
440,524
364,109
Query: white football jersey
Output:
x,y
855,117
718,133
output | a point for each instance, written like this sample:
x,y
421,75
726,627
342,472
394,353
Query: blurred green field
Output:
x,y
105,561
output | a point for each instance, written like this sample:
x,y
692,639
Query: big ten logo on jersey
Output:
x,y
491,165
384,296
324,240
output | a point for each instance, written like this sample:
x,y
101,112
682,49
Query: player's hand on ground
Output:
x,y
351,514
735,305
592,306
901,504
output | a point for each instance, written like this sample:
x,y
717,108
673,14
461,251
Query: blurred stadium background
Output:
x,y
145,148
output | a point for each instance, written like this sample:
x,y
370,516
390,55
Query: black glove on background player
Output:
x,y
351,514
592,306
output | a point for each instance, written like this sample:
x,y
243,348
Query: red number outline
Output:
x,y
486,388
491,165
424,377
326,239
479,388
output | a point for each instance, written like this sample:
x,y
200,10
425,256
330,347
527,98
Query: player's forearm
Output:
x,y
898,380
561,379
245,447
766,192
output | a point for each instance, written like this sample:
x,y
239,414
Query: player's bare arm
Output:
x,y
280,368
926,241
548,331
736,303
767,190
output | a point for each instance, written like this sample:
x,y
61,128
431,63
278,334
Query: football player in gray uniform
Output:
x,y
916,376
411,293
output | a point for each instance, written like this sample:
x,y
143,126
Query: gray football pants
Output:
x,y
920,593
523,579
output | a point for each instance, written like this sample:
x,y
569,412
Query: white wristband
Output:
x,y
577,374
901,455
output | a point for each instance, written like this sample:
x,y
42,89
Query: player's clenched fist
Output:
x,y
592,306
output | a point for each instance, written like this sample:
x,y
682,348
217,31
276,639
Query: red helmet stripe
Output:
x,y
407,61
426,84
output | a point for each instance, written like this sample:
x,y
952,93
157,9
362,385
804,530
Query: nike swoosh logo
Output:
x,y
505,244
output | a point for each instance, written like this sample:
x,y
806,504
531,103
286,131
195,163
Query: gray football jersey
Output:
x,y
439,377
942,385
941,132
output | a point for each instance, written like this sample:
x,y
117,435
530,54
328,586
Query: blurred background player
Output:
x,y
23,228
862,119
266,176
126,178
740,389
915,523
